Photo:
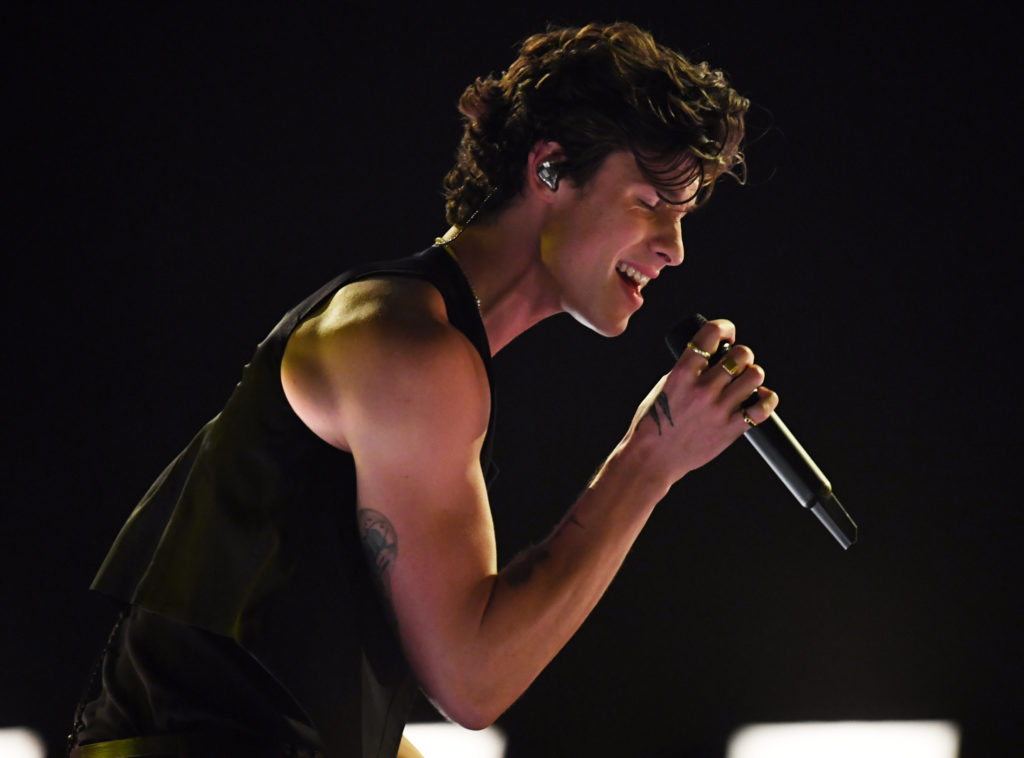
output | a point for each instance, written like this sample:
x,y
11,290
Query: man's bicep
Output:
x,y
423,513
426,528
428,539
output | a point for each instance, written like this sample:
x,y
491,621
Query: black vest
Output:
x,y
251,533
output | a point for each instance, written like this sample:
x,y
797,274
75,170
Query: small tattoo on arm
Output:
x,y
660,403
518,572
569,519
380,544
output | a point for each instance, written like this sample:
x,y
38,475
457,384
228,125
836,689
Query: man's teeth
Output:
x,y
632,273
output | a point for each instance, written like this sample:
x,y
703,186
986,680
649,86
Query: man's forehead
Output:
x,y
676,182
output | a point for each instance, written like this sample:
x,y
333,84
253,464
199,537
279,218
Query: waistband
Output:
x,y
192,746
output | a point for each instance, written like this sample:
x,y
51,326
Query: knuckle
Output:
x,y
721,329
742,354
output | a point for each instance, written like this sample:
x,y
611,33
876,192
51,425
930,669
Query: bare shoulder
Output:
x,y
382,352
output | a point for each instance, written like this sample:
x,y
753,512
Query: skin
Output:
x,y
617,217
379,369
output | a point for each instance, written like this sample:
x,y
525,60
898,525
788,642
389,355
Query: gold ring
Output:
x,y
702,353
747,418
731,366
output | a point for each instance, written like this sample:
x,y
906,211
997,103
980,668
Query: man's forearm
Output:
x,y
542,597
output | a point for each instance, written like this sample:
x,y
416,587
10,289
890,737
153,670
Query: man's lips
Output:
x,y
632,275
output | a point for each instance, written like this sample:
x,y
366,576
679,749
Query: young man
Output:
x,y
325,544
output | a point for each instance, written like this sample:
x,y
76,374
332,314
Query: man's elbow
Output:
x,y
475,720
467,706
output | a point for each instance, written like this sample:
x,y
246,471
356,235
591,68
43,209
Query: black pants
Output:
x,y
190,746
166,688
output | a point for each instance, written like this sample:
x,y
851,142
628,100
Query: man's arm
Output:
x,y
408,395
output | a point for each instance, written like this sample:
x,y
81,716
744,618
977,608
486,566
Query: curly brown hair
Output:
x,y
595,90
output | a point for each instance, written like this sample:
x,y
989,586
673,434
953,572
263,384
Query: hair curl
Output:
x,y
595,90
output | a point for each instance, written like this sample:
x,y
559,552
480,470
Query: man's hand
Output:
x,y
697,410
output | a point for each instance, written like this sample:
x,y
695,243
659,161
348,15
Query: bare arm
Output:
x,y
413,410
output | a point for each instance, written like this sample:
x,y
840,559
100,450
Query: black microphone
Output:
x,y
777,445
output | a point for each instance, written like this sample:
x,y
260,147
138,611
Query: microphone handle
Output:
x,y
788,459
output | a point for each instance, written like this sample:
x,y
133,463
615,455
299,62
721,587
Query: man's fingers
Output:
x,y
705,342
730,367
758,406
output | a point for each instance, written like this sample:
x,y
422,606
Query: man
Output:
x,y
325,544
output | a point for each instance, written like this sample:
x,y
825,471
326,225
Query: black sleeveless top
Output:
x,y
251,534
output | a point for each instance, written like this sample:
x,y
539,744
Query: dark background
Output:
x,y
181,177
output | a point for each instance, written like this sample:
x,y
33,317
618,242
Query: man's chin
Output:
x,y
604,328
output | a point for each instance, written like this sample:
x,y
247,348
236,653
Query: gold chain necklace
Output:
x,y
447,245
448,249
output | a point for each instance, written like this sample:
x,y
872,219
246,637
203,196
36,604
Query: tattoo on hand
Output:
x,y
660,404
380,544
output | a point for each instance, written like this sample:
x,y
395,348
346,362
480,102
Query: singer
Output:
x,y
324,545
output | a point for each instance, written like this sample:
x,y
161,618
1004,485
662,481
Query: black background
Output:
x,y
181,177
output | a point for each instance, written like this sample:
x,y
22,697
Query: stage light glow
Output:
x,y
21,743
847,739
452,741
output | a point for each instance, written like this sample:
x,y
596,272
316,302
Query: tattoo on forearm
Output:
x,y
518,572
569,520
660,408
380,544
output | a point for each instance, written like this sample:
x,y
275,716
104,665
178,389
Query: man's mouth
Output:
x,y
631,275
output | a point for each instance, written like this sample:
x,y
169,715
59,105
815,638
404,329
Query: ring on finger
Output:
x,y
731,367
695,348
746,417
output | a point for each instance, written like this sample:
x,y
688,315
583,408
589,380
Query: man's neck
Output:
x,y
501,259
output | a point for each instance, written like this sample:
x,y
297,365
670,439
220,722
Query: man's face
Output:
x,y
604,241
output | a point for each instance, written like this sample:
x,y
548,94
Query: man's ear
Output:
x,y
543,169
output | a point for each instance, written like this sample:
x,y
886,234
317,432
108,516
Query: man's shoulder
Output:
x,y
381,318
377,344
